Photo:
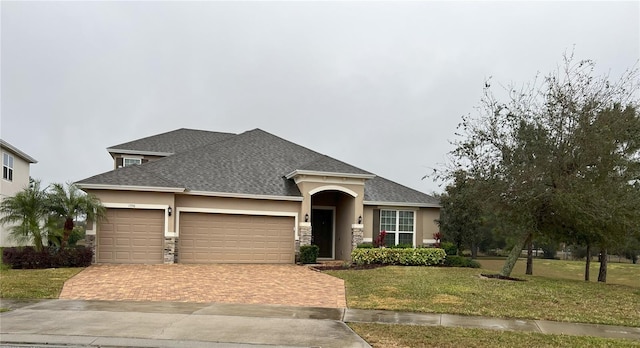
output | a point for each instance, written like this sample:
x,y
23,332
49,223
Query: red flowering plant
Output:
x,y
379,241
437,236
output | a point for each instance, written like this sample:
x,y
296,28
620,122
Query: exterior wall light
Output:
x,y
306,217
360,220
170,210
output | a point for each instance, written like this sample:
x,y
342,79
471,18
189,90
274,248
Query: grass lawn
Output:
x,y
34,283
381,335
617,273
463,291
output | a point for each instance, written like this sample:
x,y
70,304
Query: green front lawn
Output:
x,y
463,291
381,335
617,273
34,283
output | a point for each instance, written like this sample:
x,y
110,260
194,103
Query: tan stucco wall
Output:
x,y
429,215
358,188
266,205
10,188
136,197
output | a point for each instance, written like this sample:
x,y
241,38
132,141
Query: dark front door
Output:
x,y
322,231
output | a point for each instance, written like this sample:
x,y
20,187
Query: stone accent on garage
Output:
x,y
90,242
357,235
304,233
170,250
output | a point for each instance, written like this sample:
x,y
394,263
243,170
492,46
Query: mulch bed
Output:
x,y
501,277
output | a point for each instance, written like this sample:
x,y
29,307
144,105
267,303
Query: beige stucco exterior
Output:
x,y
345,196
21,168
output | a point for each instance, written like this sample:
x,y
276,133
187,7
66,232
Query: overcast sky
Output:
x,y
378,85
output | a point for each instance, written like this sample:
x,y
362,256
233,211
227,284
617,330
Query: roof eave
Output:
x,y
139,152
244,195
332,174
129,188
19,153
403,204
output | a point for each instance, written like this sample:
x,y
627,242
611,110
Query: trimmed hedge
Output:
x,y
309,253
49,257
460,261
395,256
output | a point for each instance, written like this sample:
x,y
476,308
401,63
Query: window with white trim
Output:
x,y
399,225
128,161
7,166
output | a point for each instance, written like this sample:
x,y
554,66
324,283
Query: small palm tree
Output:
x,y
26,212
69,203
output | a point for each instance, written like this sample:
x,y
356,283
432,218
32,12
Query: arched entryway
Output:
x,y
332,216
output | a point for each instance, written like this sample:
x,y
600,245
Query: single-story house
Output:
x,y
194,196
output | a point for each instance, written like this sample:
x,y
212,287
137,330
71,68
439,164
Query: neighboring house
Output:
x,y
15,177
193,196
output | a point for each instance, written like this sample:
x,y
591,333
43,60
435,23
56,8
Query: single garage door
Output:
x,y
131,236
230,238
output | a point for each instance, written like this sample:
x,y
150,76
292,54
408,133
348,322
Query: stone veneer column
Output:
x,y
90,242
304,233
357,235
170,250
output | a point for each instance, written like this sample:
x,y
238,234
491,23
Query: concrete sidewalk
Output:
x,y
173,324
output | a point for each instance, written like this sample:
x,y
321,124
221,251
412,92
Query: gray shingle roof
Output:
x,y
131,176
254,162
380,189
175,141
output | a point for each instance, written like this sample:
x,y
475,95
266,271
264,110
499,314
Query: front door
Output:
x,y
322,231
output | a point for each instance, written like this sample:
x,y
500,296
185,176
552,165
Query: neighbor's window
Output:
x,y
7,166
131,161
399,225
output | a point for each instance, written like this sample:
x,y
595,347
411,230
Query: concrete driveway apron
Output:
x,y
223,283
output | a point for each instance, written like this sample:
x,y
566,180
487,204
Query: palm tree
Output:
x,y
70,203
26,211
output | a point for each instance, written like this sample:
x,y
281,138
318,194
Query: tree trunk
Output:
x,y
530,254
602,274
66,232
511,260
474,250
587,264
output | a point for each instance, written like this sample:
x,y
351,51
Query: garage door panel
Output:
x,y
216,238
131,236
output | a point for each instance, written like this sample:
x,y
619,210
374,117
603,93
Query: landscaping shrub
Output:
x,y
396,256
309,253
402,246
449,248
49,257
460,261
365,246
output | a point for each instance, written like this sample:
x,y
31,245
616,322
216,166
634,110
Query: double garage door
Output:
x,y
226,238
137,236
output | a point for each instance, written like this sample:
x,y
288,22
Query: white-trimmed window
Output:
x,y
129,161
7,166
400,226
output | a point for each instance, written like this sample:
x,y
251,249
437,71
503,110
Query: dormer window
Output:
x,y
129,161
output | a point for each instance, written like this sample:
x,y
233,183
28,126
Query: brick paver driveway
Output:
x,y
260,284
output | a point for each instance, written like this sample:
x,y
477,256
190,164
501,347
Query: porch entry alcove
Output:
x,y
332,215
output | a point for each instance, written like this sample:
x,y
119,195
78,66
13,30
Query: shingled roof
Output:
x,y
254,162
173,142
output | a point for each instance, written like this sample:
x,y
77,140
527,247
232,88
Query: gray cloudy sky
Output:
x,y
380,85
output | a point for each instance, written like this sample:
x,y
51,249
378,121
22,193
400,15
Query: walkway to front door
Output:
x,y
254,284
